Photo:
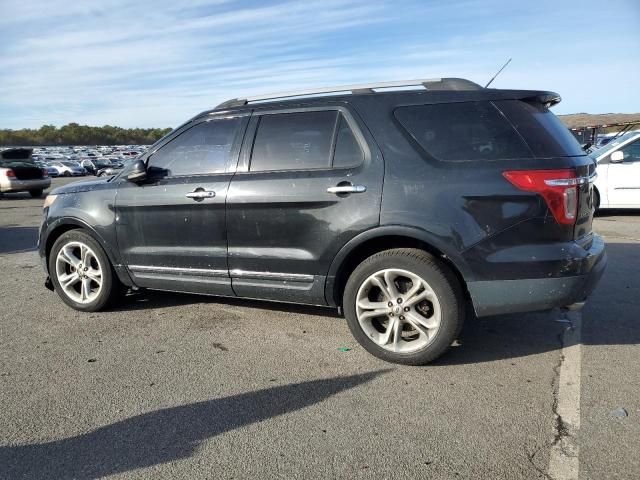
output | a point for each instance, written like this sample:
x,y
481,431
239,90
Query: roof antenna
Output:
x,y
494,77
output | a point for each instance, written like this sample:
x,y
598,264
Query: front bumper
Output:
x,y
495,297
15,185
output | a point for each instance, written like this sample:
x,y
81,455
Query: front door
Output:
x,y
624,178
171,229
308,181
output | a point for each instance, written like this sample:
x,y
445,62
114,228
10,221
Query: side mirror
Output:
x,y
138,172
617,157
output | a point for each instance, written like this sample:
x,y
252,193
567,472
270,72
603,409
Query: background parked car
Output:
x,y
93,165
51,171
618,182
68,169
19,173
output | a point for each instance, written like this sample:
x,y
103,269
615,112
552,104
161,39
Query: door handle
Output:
x,y
200,194
347,189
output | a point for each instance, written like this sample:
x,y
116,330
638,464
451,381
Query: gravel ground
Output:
x,y
180,386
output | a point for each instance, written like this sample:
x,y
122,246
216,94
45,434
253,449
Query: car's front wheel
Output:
x,y
404,306
81,272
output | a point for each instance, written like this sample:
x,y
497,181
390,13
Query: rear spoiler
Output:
x,y
548,99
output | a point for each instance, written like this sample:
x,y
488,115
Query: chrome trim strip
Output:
x,y
179,271
293,277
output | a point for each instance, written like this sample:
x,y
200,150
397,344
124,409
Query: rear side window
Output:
x,y
545,134
203,149
463,131
294,141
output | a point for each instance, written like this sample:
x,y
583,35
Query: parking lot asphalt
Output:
x,y
181,386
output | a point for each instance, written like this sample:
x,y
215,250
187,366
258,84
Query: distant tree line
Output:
x,y
74,134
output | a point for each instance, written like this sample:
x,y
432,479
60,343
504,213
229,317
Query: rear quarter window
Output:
x,y
463,131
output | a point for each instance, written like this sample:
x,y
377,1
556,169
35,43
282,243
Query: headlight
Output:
x,y
49,201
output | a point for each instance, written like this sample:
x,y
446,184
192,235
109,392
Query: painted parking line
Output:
x,y
564,455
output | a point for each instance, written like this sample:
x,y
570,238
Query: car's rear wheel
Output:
x,y
67,174
404,306
81,272
36,193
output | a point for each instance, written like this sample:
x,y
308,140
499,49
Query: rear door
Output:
x,y
171,229
624,178
308,181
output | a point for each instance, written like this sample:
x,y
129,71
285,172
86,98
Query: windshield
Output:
x,y
613,144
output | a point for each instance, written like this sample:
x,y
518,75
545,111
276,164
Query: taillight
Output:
x,y
9,173
559,188
45,173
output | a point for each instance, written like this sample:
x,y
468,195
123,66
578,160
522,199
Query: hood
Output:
x,y
82,186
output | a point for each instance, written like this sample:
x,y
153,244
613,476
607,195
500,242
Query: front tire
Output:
x,y
81,273
404,306
66,174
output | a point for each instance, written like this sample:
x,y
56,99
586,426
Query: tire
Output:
x,y
392,334
99,294
36,193
66,174
596,199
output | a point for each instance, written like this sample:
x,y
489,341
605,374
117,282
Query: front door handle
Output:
x,y
347,189
200,194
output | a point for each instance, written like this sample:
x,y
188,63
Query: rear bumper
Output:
x,y
495,297
15,185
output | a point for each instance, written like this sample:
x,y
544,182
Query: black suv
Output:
x,y
401,207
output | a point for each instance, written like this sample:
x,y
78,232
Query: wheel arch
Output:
x,y
384,238
64,225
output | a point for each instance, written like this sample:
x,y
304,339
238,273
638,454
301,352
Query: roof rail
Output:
x,y
429,84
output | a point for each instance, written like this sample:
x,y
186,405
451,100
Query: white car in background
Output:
x,y
618,168
68,169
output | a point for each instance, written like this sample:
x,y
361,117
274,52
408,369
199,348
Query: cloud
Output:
x,y
155,63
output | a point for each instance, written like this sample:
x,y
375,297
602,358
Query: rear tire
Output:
x,y
404,306
36,193
596,200
81,273
66,174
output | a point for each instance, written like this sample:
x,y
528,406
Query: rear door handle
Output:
x,y
200,194
347,189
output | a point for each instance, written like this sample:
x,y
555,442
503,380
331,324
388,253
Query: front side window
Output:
x,y
631,152
462,131
203,149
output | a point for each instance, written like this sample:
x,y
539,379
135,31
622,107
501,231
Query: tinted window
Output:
x,y
463,131
631,152
545,134
293,141
348,152
204,148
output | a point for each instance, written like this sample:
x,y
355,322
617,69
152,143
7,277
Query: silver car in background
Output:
x,y
19,173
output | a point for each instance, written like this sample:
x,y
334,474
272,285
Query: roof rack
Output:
x,y
429,84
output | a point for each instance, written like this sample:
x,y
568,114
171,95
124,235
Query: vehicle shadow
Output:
x,y
610,316
164,435
16,239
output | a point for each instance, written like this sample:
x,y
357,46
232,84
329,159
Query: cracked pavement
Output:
x,y
180,386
